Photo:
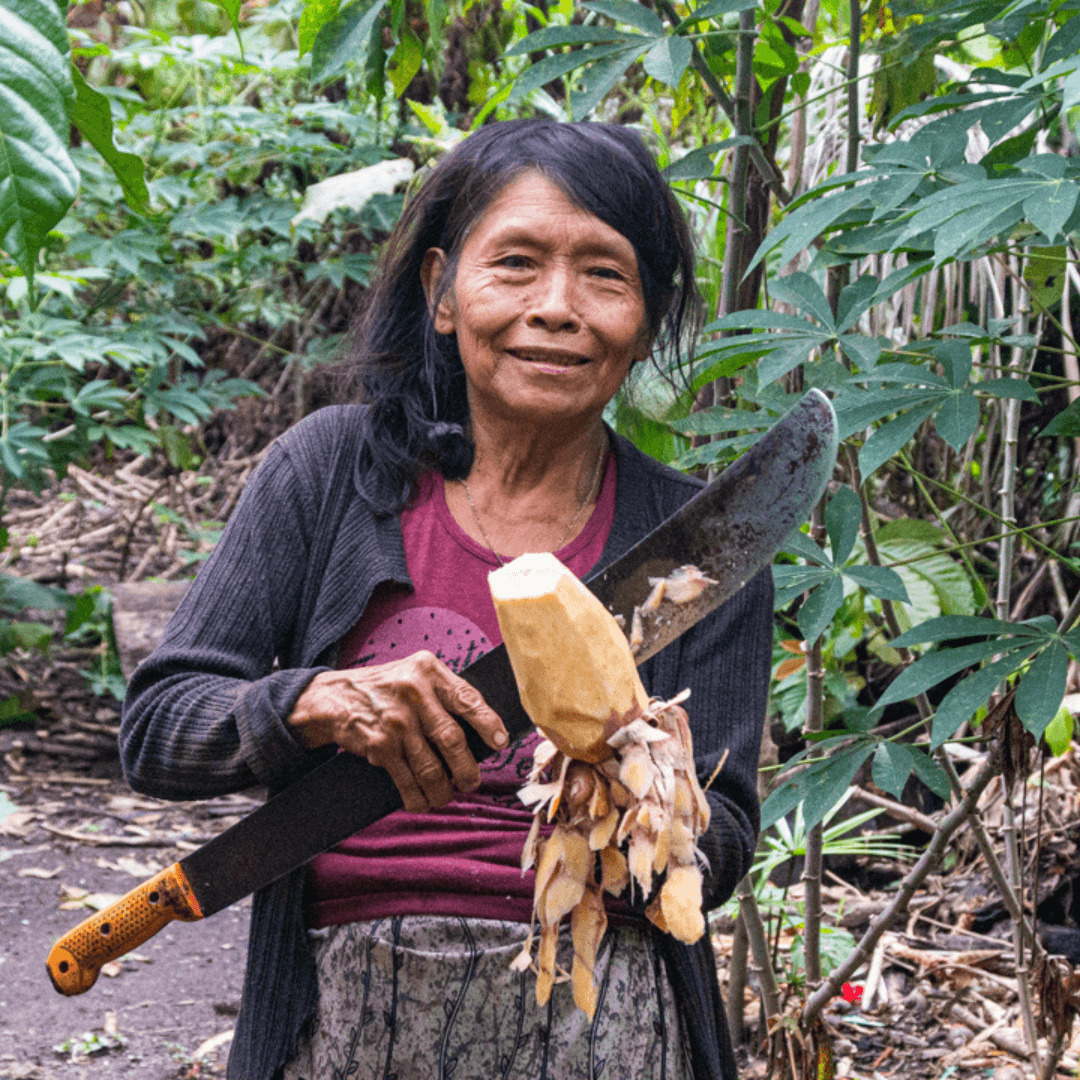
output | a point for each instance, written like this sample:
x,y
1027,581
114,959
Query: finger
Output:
x,y
411,794
461,699
427,770
445,734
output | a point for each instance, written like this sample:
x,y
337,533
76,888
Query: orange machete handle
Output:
x,y
76,959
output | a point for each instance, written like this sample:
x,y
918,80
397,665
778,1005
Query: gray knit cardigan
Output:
x,y
207,712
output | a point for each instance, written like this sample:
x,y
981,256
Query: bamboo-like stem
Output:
x,y
740,164
854,48
815,722
929,860
1010,427
797,139
759,948
1053,1056
740,945
1023,987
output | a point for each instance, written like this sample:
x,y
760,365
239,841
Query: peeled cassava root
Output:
x,y
615,775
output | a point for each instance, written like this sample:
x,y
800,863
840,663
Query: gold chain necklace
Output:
x,y
589,496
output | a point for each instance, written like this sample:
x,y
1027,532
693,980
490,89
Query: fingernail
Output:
x,y
500,738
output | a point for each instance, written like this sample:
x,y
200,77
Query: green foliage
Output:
x,y
38,181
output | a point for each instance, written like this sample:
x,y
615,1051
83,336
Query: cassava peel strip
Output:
x,y
628,807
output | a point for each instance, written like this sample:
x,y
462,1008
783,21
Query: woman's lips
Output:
x,y
549,359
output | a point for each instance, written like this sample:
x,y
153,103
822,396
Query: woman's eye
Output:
x,y
608,272
514,262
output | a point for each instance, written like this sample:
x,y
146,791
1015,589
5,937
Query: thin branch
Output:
x,y
929,861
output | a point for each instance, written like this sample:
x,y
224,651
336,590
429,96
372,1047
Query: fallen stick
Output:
x,y
1004,1040
896,810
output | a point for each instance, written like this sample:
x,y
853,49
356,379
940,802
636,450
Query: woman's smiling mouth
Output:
x,y
549,357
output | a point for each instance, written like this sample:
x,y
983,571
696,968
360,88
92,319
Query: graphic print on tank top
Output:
x,y
455,639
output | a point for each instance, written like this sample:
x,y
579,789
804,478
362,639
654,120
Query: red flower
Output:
x,y
852,994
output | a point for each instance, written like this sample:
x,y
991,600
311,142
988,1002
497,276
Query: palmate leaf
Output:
x,y
843,516
887,440
667,60
818,609
968,696
957,418
828,786
599,79
38,180
630,13
950,627
939,665
1042,689
714,9
559,64
552,36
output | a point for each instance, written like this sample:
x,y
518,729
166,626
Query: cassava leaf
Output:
x,y
843,516
1041,690
668,59
968,695
934,668
887,440
891,768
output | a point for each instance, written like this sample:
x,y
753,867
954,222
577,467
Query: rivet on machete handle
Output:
x,y
76,959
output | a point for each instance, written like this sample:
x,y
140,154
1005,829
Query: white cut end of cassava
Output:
x,y
573,665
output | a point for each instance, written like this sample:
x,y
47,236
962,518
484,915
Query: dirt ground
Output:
x,y
168,1009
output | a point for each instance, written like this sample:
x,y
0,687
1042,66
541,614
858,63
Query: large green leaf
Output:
x,y
38,180
316,14
937,666
629,12
1042,689
962,701
668,59
405,63
345,38
92,115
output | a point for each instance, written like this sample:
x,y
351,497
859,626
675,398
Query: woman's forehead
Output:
x,y
533,208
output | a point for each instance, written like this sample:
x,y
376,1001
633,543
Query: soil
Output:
x,y
149,1014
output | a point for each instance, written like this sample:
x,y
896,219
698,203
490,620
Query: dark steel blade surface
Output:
x,y
729,531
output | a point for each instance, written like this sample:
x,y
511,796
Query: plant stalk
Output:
x,y
815,722
854,48
772,178
759,949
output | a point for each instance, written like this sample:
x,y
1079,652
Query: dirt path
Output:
x,y
169,997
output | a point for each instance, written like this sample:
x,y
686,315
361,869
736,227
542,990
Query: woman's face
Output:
x,y
547,307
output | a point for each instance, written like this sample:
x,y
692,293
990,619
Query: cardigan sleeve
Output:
x,y
206,713
725,662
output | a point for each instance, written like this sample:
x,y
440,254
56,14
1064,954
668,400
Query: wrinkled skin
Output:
x,y
397,715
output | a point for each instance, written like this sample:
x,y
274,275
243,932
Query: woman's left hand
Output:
x,y
397,716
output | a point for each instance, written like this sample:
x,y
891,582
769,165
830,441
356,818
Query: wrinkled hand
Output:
x,y
394,715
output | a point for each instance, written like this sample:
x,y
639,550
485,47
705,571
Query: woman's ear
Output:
x,y
431,271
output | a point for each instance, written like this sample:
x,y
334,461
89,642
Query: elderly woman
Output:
x,y
537,264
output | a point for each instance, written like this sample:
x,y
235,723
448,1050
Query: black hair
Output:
x,y
409,375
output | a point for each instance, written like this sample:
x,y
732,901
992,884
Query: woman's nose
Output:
x,y
552,304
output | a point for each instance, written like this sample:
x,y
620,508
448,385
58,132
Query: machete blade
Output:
x,y
729,531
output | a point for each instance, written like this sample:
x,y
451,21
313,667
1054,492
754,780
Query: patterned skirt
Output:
x,y
434,998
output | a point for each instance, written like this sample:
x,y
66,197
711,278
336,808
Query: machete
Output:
x,y
729,531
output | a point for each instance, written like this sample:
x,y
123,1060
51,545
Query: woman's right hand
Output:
x,y
396,716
